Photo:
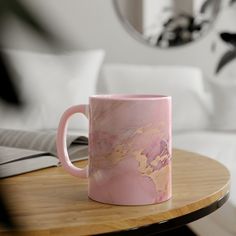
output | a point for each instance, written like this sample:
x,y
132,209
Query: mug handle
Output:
x,y
61,141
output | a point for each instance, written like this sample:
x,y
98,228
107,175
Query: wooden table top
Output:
x,y
51,202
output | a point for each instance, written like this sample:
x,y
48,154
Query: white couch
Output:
x,y
220,146
198,124
204,121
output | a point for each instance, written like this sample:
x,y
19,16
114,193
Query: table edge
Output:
x,y
223,195
174,222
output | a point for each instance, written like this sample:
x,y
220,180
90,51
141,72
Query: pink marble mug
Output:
x,y
130,148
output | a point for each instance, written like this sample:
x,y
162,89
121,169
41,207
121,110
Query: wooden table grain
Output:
x,y
51,202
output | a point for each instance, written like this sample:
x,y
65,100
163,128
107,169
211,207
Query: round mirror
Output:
x,y
167,23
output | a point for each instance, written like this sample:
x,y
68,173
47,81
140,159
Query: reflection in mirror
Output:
x,y
168,23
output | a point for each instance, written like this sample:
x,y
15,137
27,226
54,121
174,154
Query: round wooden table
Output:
x,y
51,202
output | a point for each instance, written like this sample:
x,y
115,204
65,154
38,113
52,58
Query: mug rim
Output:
x,y
130,97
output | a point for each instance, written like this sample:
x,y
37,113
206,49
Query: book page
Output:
x,y
78,152
37,140
27,165
24,151
9,154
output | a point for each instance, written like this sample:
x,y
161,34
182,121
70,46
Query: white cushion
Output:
x,y
184,84
49,84
224,103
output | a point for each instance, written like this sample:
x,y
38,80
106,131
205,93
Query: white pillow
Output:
x,y
224,104
184,84
49,84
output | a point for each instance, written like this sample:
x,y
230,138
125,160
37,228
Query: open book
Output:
x,y
24,151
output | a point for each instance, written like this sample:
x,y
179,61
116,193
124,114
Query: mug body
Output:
x,y
130,149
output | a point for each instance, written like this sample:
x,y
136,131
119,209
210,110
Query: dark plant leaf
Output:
x,y
215,4
5,217
232,2
229,38
8,90
205,5
18,9
225,59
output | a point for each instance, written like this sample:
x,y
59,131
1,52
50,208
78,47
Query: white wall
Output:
x,y
94,24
